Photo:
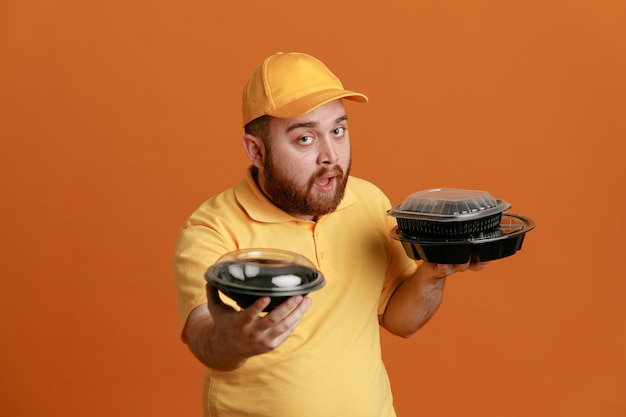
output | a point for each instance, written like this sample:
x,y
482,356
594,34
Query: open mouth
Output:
x,y
325,183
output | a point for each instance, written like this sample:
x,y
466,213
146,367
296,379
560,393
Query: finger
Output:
x,y
284,327
285,307
278,314
444,270
462,267
294,318
470,265
252,312
478,266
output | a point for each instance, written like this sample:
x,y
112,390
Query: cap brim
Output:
x,y
308,103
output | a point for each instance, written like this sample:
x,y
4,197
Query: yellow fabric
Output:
x,y
289,85
331,365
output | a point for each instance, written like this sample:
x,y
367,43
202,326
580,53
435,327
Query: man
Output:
x,y
317,355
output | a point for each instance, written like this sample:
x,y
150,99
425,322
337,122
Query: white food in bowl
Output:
x,y
241,272
286,280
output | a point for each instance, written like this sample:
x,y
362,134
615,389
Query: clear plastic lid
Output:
x,y
264,270
449,203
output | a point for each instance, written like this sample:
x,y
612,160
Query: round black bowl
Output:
x,y
245,275
499,243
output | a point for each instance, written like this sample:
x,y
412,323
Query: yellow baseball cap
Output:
x,y
288,85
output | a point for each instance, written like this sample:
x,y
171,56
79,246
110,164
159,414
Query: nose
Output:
x,y
328,152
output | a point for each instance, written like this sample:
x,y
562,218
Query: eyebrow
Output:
x,y
313,124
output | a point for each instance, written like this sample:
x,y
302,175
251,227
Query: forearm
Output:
x,y
200,337
414,302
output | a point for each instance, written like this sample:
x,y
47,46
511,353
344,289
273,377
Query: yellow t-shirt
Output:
x,y
331,364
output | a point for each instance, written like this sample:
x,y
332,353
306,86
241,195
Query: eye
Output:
x,y
339,131
305,140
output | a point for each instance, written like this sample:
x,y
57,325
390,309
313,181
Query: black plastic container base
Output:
x,y
418,227
245,299
513,228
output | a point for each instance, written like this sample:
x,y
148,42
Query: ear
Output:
x,y
255,149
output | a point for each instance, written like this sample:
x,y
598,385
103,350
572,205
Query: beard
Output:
x,y
296,200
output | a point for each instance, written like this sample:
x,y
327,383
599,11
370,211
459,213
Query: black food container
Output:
x,y
448,212
247,274
454,226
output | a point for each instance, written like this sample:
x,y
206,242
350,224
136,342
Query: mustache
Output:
x,y
337,171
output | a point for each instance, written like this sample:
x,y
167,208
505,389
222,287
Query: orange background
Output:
x,y
119,117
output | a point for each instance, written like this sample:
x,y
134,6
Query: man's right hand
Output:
x,y
223,338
